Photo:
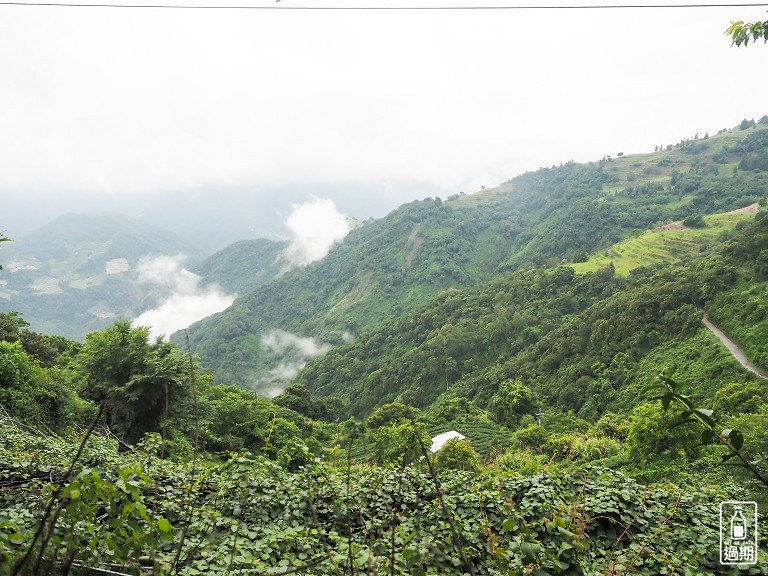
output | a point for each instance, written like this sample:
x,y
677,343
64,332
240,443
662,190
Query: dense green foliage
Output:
x,y
303,509
666,245
140,386
138,383
732,439
459,334
742,32
458,455
742,311
34,394
249,516
586,343
382,269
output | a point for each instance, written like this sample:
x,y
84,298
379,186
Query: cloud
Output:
x,y
316,226
295,351
185,301
167,272
280,342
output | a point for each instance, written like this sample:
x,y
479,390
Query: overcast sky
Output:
x,y
113,102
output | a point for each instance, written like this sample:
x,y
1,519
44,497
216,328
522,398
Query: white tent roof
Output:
x,y
440,440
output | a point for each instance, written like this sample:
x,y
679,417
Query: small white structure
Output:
x,y
440,440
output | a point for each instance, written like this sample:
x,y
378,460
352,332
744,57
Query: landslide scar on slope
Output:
x,y
353,295
414,241
358,291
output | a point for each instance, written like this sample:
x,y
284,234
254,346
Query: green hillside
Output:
x,y
419,356
381,269
580,342
598,362
394,265
243,265
570,211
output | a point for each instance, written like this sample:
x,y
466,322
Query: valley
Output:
x,y
555,321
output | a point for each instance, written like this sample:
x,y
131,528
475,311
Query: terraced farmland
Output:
x,y
665,245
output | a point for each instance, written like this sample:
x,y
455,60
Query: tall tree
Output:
x,y
34,395
513,400
138,382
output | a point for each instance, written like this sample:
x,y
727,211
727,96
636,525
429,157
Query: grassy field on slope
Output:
x,y
665,245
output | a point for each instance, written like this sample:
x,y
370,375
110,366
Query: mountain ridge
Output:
x,y
539,218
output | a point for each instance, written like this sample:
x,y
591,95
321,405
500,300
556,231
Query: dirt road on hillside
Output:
x,y
733,348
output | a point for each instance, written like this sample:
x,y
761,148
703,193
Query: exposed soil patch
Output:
x,y
751,209
361,287
670,226
355,294
415,241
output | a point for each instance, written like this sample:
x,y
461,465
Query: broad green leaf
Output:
x,y
531,551
163,525
509,524
705,415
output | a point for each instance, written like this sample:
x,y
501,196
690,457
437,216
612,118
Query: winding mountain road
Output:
x,y
733,348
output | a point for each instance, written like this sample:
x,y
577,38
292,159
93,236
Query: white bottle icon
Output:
x,y
738,525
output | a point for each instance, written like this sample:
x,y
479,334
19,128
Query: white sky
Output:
x,y
138,100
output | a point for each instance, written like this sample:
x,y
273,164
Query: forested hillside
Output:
x,y
243,265
461,333
383,268
391,266
578,341
118,455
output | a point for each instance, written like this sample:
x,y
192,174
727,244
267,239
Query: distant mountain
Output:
x,y
397,264
83,271
79,273
211,218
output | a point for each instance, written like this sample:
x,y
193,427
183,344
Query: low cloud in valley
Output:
x,y
185,300
294,352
